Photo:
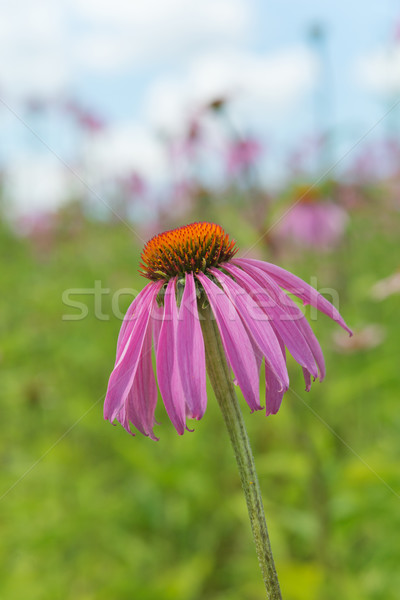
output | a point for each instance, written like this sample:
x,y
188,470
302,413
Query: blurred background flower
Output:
x,y
313,219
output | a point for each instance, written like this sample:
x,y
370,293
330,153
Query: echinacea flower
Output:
x,y
188,268
314,221
243,154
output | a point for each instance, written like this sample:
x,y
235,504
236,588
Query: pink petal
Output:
x,y
294,312
309,335
296,286
124,372
273,389
158,314
261,330
167,366
142,398
129,318
236,342
307,379
281,318
190,352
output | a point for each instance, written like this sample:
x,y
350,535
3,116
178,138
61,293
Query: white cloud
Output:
x,y
124,33
123,148
104,51
32,37
215,16
260,86
379,71
194,49
37,183
45,45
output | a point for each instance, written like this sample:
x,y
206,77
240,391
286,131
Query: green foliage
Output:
x,y
89,513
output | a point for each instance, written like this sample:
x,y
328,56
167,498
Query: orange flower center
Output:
x,y
189,249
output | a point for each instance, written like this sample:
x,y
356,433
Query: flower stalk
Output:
x,y
220,377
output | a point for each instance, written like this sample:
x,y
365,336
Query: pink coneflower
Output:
x,y
86,119
243,154
313,220
191,268
40,228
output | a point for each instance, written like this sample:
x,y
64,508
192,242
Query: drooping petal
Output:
x,y
261,330
141,401
158,314
169,380
142,398
123,418
257,352
235,339
190,352
283,324
125,369
296,286
273,389
129,319
293,313
307,379
309,335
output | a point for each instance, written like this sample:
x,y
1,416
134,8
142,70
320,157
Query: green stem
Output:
x,y
220,377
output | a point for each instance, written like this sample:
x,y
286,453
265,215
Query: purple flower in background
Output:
x,y
189,267
314,221
187,145
40,228
243,154
86,119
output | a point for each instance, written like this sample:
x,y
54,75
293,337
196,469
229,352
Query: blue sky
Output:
x,y
143,65
354,29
